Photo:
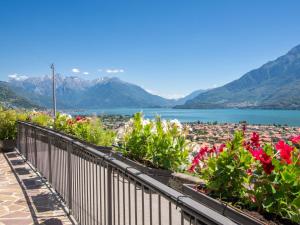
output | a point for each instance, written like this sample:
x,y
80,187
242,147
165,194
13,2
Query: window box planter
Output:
x,y
7,145
173,179
230,212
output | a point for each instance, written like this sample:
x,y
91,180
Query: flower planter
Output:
x,y
7,145
170,178
230,212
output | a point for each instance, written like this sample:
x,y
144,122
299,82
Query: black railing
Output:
x,y
99,189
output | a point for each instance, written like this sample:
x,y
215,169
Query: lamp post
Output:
x,y
53,90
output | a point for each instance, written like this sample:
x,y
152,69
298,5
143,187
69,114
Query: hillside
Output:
x,y
9,98
275,85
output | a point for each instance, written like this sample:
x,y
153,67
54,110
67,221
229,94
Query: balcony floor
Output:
x,y
24,198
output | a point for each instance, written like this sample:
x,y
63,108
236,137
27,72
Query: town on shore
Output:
x,y
214,133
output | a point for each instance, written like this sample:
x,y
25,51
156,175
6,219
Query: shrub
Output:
x,y
85,128
8,120
40,118
157,142
263,176
276,187
226,172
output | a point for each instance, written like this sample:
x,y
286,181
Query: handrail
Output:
x,y
196,211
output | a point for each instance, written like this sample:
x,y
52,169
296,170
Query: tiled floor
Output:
x,y
34,204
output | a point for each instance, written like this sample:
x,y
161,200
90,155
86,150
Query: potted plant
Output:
x,y
156,147
250,182
8,131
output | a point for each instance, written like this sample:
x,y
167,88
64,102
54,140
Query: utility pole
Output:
x,y
53,90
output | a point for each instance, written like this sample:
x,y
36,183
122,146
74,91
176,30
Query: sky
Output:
x,y
168,47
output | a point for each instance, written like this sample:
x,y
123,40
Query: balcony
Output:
x,y
69,182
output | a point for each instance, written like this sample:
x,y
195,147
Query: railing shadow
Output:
x,y
41,202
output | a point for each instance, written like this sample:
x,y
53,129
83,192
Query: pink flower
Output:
x,y
285,151
296,140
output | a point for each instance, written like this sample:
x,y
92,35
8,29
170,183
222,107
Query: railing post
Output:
x,y
35,150
26,143
49,158
70,149
18,137
109,194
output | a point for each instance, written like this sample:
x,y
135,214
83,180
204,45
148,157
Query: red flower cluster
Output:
x,y
255,140
285,151
258,153
264,159
78,118
296,140
202,152
197,158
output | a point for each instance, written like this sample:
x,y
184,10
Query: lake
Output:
x,y
252,116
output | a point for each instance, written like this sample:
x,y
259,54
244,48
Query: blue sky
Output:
x,y
168,47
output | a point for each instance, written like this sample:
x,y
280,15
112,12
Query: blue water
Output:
x,y
252,116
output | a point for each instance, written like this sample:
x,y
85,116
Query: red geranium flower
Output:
x,y
255,140
296,140
197,158
285,151
78,118
221,148
264,159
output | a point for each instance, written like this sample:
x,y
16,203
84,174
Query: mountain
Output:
x,y
9,98
189,96
74,92
275,85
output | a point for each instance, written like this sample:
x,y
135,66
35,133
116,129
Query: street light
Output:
x,y
53,91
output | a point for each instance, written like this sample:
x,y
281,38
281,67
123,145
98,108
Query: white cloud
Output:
x,y
86,73
13,76
75,70
16,76
114,71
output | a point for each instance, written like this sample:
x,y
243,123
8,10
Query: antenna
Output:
x,y
53,90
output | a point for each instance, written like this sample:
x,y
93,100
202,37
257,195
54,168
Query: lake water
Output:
x,y
253,116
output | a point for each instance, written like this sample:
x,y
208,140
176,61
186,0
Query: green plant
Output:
x,y
8,120
160,143
226,174
261,176
278,192
85,128
41,119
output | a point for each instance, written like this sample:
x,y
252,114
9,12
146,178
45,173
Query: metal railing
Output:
x,y
98,189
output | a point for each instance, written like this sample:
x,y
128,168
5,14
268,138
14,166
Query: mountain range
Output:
x,y
275,85
76,93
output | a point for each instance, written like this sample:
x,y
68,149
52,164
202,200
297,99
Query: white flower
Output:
x,y
164,125
183,167
176,123
146,122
